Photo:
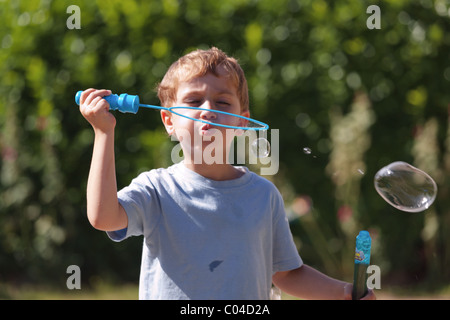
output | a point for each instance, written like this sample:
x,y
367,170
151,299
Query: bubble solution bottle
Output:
x,y
362,261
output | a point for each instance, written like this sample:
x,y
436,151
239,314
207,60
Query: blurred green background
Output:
x,y
357,99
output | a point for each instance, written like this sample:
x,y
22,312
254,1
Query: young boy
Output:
x,y
211,230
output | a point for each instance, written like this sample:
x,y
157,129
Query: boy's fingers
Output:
x,y
90,105
89,95
370,295
94,102
104,92
100,103
85,94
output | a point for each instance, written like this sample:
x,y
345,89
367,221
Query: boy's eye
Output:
x,y
223,103
193,101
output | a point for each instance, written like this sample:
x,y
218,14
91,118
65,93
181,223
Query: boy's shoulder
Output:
x,y
264,181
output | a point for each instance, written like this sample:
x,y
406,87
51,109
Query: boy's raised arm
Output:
x,y
103,208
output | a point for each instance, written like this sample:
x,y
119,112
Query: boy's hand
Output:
x,y
348,293
95,110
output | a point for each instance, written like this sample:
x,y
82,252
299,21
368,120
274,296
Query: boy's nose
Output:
x,y
207,111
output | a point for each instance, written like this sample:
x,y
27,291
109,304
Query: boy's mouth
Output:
x,y
206,126
205,129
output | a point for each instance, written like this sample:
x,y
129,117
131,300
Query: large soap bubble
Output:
x,y
405,187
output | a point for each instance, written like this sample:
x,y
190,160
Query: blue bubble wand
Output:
x,y
362,261
127,103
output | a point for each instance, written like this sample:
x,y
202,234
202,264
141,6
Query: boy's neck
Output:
x,y
218,172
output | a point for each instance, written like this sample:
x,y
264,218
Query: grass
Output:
x,y
108,291
101,291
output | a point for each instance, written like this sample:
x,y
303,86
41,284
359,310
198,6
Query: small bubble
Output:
x,y
260,147
307,150
303,120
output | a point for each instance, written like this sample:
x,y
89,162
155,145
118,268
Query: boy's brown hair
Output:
x,y
197,64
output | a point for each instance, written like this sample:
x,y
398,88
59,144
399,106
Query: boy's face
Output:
x,y
206,94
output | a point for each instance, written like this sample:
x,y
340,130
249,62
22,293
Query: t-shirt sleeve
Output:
x,y
139,200
285,253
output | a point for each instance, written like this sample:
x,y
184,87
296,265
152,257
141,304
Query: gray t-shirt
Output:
x,y
207,239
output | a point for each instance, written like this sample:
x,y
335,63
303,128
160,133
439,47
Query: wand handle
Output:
x,y
362,261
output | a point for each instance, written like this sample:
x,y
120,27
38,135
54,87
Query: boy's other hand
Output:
x,y
95,110
348,293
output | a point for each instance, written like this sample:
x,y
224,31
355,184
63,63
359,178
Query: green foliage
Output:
x,y
358,98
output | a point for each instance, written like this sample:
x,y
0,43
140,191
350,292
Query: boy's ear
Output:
x,y
166,118
245,114
242,123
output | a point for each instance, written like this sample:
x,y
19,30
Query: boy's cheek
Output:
x,y
181,134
